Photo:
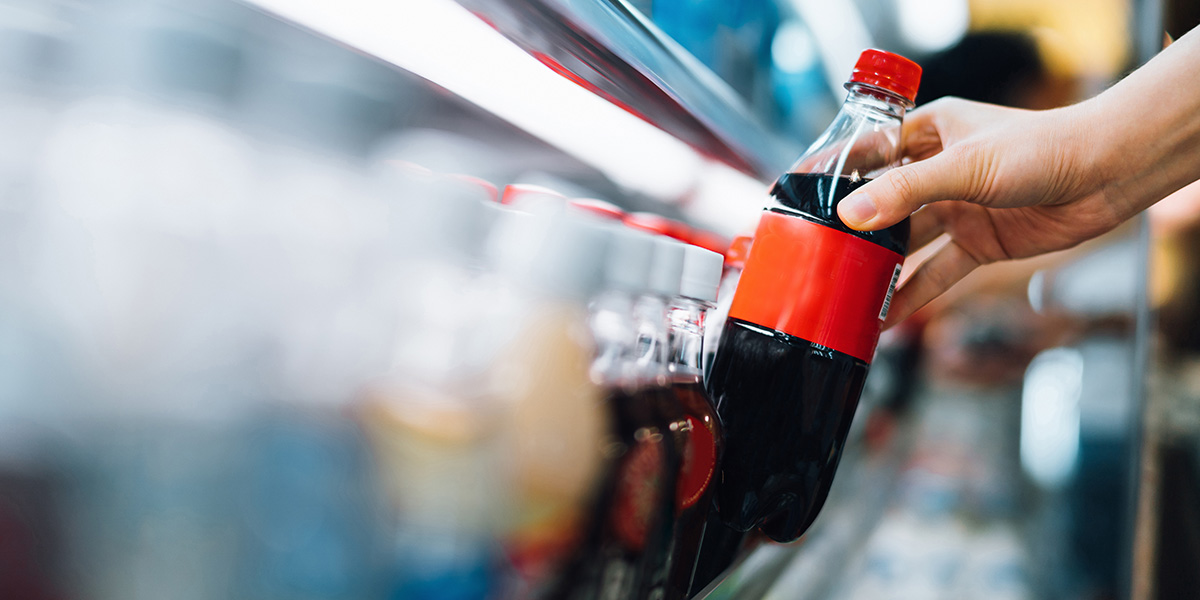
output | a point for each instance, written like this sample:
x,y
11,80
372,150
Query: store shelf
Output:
x,y
594,81
611,49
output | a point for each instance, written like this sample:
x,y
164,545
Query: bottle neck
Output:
x,y
650,346
869,99
686,325
863,140
610,316
631,339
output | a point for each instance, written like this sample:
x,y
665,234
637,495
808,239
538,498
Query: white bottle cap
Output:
x,y
701,274
435,216
630,257
667,267
554,254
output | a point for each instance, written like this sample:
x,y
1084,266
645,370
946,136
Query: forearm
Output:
x,y
1144,132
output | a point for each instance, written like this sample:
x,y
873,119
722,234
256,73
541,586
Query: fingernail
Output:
x,y
857,209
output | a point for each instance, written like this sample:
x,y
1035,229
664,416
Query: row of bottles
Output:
x,y
241,364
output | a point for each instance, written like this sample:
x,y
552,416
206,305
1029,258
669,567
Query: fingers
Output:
x,y
945,268
919,134
898,193
926,225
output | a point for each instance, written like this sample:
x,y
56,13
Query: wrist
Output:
x,y
1113,155
1147,136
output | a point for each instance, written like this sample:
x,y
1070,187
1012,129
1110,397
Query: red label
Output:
x,y
699,462
816,283
637,494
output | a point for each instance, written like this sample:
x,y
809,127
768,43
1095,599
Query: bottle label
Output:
x,y
887,300
698,465
638,494
816,283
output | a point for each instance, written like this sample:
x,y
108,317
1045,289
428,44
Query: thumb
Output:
x,y
895,195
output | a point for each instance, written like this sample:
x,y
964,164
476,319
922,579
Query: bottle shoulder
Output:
x,y
815,197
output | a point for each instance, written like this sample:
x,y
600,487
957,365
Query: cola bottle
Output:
x,y
652,347
623,551
807,313
698,426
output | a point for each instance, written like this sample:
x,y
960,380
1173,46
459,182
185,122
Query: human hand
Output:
x,y
1027,183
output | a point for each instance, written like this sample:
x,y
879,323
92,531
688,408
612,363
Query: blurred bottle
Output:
x,y
807,314
624,551
32,552
598,208
557,426
300,499
720,545
659,224
653,358
436,423
33,89
142,146
700,428
890,385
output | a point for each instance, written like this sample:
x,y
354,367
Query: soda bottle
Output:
x,y
623,550
698,427
807,313
720,546
653,350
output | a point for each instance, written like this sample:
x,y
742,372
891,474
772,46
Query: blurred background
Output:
x,y
267,331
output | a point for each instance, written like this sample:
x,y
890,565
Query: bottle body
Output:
x,y
801,331
624,549
702,438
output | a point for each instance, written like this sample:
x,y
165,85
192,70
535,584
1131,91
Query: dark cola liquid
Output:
x,y
786,403
701,442
815,197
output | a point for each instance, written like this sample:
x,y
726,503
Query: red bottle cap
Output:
x,y
658,224
600,208
519,194
888,71
709,241
484,186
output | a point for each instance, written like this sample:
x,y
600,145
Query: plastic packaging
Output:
x,y
807,314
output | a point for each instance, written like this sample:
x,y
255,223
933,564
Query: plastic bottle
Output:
x,y
625,550
32,92
699,428
600,209
720,546
807,314
558,421
653,348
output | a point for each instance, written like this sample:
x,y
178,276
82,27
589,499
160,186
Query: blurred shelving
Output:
x,y
594,80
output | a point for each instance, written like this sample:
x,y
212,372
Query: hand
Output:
x,y
1033,182
1027,181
